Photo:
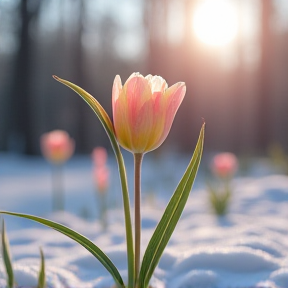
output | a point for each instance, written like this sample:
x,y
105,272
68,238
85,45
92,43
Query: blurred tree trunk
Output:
x,y
20,137
79,79
190,64
237,131
174,62
264,112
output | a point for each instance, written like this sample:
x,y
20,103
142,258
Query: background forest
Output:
x,y
240,87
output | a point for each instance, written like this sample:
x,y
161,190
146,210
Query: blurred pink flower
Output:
x,y
56,146
99,156
101,178
224,165
144,110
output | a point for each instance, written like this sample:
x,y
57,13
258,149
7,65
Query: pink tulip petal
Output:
x,y
143,111
142,127
117,87
173,97
157,83
158,121
165,111
137,92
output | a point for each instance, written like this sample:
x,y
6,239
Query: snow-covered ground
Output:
x,y
247,248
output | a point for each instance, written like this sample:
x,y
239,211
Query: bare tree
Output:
x,y
22,121
263,123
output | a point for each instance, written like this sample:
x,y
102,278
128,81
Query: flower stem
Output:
x,y
128,224
57,189
137,200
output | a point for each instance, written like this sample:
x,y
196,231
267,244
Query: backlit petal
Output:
x,y
117,87
157,83
143,111
173,98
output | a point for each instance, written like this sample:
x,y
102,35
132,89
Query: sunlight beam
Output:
x,y
215,22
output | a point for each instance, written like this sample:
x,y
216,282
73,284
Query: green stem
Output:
x,y
103,208
137,207
128,225
57,188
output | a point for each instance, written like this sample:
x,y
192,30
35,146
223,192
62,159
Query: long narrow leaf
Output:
x,y
108,126
42,274
170,217
82,240
7,257
94,104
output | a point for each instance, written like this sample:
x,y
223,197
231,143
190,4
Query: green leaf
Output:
x,y
42,275
94,104
7,258
82,240
108,126
170,217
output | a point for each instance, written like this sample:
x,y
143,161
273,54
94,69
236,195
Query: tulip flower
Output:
x,y
101,178
143,111
224,165
57,147
99,156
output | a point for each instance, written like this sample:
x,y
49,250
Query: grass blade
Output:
x,y
108,126
7,257
42,275
82,240
170,217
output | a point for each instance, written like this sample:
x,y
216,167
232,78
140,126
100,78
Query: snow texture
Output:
x,y
246,248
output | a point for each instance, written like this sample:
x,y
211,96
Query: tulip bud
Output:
x,y
57,147
224,165
101,178
99,156
144,110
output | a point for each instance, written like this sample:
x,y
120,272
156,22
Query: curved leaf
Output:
x,y
108,126
94,104
170,217
82,240
7,257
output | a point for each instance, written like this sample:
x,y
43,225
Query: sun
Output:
x,y
215,22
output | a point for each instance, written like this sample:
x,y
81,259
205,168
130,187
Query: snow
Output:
x,y
246,248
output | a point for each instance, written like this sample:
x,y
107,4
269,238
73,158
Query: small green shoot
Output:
x,y
7,257
42,275
219,200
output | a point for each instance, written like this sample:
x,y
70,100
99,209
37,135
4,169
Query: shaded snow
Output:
x,y
247,248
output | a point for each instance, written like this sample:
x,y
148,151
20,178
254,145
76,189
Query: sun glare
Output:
x,y
215,22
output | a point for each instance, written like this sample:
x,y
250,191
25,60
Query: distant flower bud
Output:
x,y
57,147
224,165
